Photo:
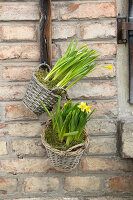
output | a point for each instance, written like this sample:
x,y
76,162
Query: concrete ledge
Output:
x,y
127,138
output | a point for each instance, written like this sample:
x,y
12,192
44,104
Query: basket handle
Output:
x,y
44,66
76,146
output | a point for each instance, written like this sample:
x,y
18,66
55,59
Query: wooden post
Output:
x,y
131,52
45,32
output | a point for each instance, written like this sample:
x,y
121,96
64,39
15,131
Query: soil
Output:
x,y
41,74
52,139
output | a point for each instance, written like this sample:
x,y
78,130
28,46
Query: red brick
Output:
x,y
63,31
85,184
30,147
103,72
121,184
12,91
55,10
101,127
87,198
17,111
17,73
102,145
105,109
43,184
106,50
25,166
19,51
88,10
93,89
19,11
28,129
106,164
98,30
3,130
19,32
8,186
3,148
127,139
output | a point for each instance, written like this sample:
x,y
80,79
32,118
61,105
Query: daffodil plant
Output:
x,y
70,120
73,66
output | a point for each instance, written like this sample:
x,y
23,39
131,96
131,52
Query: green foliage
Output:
x,y
75,64
69,122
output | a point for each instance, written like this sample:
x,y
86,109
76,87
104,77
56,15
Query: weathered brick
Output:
x,y
17,73
31,199
27,129
105,109
92,89
17,111
19,32
121,184
19,11
87,198
3,148
127,139
24,166
101,127
84,184
63,30
43,184
103,72
19,51
106,50
12,91
88,10
98,30
28,147
55,11
106,164
102,145
110,198
3,130
8,186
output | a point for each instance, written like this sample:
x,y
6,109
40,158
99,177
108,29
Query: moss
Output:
x,y
41,74
52,139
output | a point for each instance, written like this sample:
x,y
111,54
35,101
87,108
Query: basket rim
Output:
x,y
79,151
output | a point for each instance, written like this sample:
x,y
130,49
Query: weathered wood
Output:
x,y
131,52
45,32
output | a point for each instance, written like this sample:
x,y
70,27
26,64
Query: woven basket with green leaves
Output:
x,y
64,136
48,84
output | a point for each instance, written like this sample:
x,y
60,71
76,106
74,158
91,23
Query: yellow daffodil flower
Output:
x,y
82,106
88,109
110,67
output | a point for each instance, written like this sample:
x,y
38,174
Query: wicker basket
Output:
x,y
64,161
37,91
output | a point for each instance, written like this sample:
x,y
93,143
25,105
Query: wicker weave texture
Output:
x,y
64,161
37,92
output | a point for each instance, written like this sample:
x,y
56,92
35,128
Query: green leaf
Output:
x,y
71,133
46,109
91,113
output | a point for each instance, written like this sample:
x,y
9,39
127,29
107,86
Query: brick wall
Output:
x,y
25,172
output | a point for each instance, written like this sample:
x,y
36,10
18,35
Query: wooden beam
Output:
x,y
45,32
131,52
